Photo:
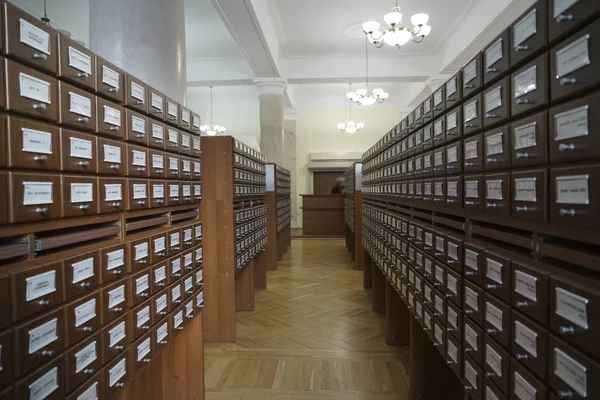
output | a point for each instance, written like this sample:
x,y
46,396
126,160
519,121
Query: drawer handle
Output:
x,y
468,349
566,213
469,273
566,330
113,128
141,169
522,209
87,329
565,394
158,140
437,314
451,295
525,101
469,125
522,304
564,18
450,166
143,295
160,201
159,171
174,172
491,205
88,371
469,203
176,248
468,86
492,70
469,164
86,285
490,374
161,284
491,331
566,147
179,328
40,56
139,103
140,135
567,81
177,275
173,118
437,344
522,357
42,210
84,207
162,254
522,47
119,347
141,202
158,112
84,120
118,309
450,362
44,302
113,90
162,313
83,163
450,99
142,262
118,272
187,242
47,353
189,316
491,286
146,327
163,342
83,75
522,155
116,205
119,385
40,158
450,329
115,166
492,160
467,387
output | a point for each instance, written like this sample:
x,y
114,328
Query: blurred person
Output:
x,y
339,186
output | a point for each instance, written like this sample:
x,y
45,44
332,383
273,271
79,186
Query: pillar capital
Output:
x,y
270,86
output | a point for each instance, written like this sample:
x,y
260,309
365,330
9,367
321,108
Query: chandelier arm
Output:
x,y
379,44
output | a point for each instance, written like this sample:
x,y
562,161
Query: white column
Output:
x,y
144,37
270,93
289,147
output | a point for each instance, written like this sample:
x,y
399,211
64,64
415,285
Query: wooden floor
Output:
x,y
312,336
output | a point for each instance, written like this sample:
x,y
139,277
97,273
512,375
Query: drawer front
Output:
x,y
137,161
427,110
173,193
111,192
473,193
114,301
491,391
496,364
472,75
175,268
188,260
116,374
160,276
158,244
51,374
473,302
111,157
529,191
189,311
454,158
112,262
428,164
6,359
530,140
428,191
136,128
439,307
174,241
82,318
115,338
529,344
439,131
454,354
454,90
567,17
36,289
177,320
39,44
497,148
76,63
110,80
111,119
497,275
440,254
454,124
439,191
473,154
472,378
530,290
186,143
472,111
157,103
497,194
188,236
137,194
572,372
82,273
496,103
94,388
196,149
524,385
140,253
172,115
198,256
572,66
162,334
31,92
140,285
496,57
33,145
575,192
157,134
439,337
454,287
158,197
135,95
454,321
173,169
157,161
497,321
529,87
161,304
454,194
473,340
172,137
38,341
141,320
77,108
79,152
574,130
176,294
185,118
34,197
141,352
186,168
83,361
529,33
427,136
79,196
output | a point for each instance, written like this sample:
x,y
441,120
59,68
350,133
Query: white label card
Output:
x,y
113,192
158,132
489,395
526,338
525,28
470,111
494,270
471,375
83,270
494,144
138,91
437,98
142,316
523,389
572,189
85,357
115,259
112,116
138,124
44,386
452,155
158,161
470,72
43,335
116,297
493,315
142,284
80,61
452,189
37,193
117,334
141,251
157,101
90,393
162,332
80,148
112,154
471,299
34,37
117,372
35,141
178,319
572,307
493,99
158,191
80,105
570,371
110,77
139,191
571,124
82,193
494,190
574,56
40,285
526,285
450,87
34,88
471,337
525,189
525,136
138,158
493,359
471,259
525,82
493,54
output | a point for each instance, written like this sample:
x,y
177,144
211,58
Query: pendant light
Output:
x,y
212,129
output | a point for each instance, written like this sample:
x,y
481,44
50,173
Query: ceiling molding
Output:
x,y
232,82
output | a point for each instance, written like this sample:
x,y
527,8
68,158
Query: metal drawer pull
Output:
x,y
140,135
160,201
491,205
522,209
113,128
566,330
87,329
450,166
450,362
39,106
119,385
163,342
179,328
567,81
491,331
41,210
521,48
83,75
158,112
143,261
44,302
143,294
162,313
490,115
492,70
490,374
119,347
450,201
565,394
492,160
84,207
469,125
522,155
86,285
172,118
525,101
159,171
40,158
177,275
491,286
83,163
469,273
141,169
88,371
566,147
118,309
158,140
139,103
118,272
162,254
468,86
564,18
113,90
146,327
115,205
522,357
84,120
469,164
47,353
566,213
115,166
522,304
161,285
141,202
40,56
450,329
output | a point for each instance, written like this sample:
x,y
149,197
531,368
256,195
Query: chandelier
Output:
x,y
212,129
350,127
397,34
365,97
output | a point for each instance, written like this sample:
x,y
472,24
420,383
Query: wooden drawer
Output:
x,y
439,191
82,318
439,131
77,108
497,275
172,143
114,301
137,194
33,145
199,279
48,382
574,130
172,116
176,294
491,391
36,289
497,194
140,254
572,373
189,311
572,66
112,262
564,18
116,374
473,340
473,194
157,103
135,94
496,57
111,157
473,154
427,322
157,193
454,287
141,353
454,321
137,164
161,304
159,247
530,140
497,321
136,128
529,191
439,337
524,385
188,260
428,164
198,256
140,286
427,136
185,143
186,168
34,197
185,120
173,163
79,196
92,389
472,378
157,134
439,101
110,80
79,152
473,302
83,361
110,192
38,341
496,364
472,112
177,320
29,40
497,148
575,196
472,75
454,90
186,192
82,273
157,161
160,276
454,194
454,124
454,158
111,119
440,248
76,64
141,320
529,33
496,103
530,90
162,334
454,355
529,345
115,338
427,109
196,149
530,289
174,241
439,307
188,236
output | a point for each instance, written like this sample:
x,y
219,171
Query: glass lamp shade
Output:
x,y
378,92
376,36
384,95
211,132
351,95
394,17
419,19
351,129
397,37
371,26
341,126
204,128
360,125
367,101
351,123
424,31
361,92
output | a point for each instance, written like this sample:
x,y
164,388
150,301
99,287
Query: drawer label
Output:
x,y
427,161
178,319
34,37
470,72
112,154
189,309
493,359
43,335
452,284
44,386
138,91
187,167
472,299
572,189
82,193
525,28
115,259
523,389
570,371
438,128
80,61
571,124
452,251
471,259
81,148
162,332
142,316
158,161
185,140
489,395
472,189
494,190
572,57
110,77
494,53
90,393
440,244
470,111
161,303
452,351
85,312
35,141
141,251
437,98
561,6
526,285
439,188
187,259
187,190
451,121
200,300
185,115
117,334
450,87
426,106
494,270
139,191
158,191
172,109
439,304
494,144
493,315
174,190
173,164
572,307
196,144
138,158
452,155
80,105
173,136
157,101
116,297
138,124
174,239
419,309
471,337
176,265
112,116
187,235
160,274
493,99
439,274
526,338
438,158
199,277
159,244
439,334
525,136
176,293
471,375
158,132
117,372
40,285
452,318
525,82
113,192
427,320
85,357
428,266
37,193
142,284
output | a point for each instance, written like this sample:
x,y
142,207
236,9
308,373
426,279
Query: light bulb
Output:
x,y
424,31
351,123
371,26
394,17
419,19
361,92
211,132
378,92
351,129
360,125
341,126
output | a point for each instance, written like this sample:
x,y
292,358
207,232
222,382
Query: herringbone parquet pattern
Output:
x,y
312,336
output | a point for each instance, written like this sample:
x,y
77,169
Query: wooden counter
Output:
x,y
323,215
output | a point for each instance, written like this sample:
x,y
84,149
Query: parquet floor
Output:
x,y
312,336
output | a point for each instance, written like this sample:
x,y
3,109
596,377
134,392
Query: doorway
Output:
x,y
323,181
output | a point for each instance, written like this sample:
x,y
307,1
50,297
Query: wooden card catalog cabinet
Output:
x,y
111,119
135,94
157,103
47,382
110,80
83,361
79,152
76,63
496,57
529,33
77,107
33,145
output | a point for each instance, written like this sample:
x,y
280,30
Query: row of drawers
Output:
x,y
250,252
244,190
244,215
241,176
564,196
31,42
248,153
32,197
242,162
284,221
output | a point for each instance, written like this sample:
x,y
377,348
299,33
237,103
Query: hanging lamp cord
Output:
x,y
350,101
211,110
45,18
367,57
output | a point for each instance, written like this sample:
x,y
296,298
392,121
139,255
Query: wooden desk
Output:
x,y
323,214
